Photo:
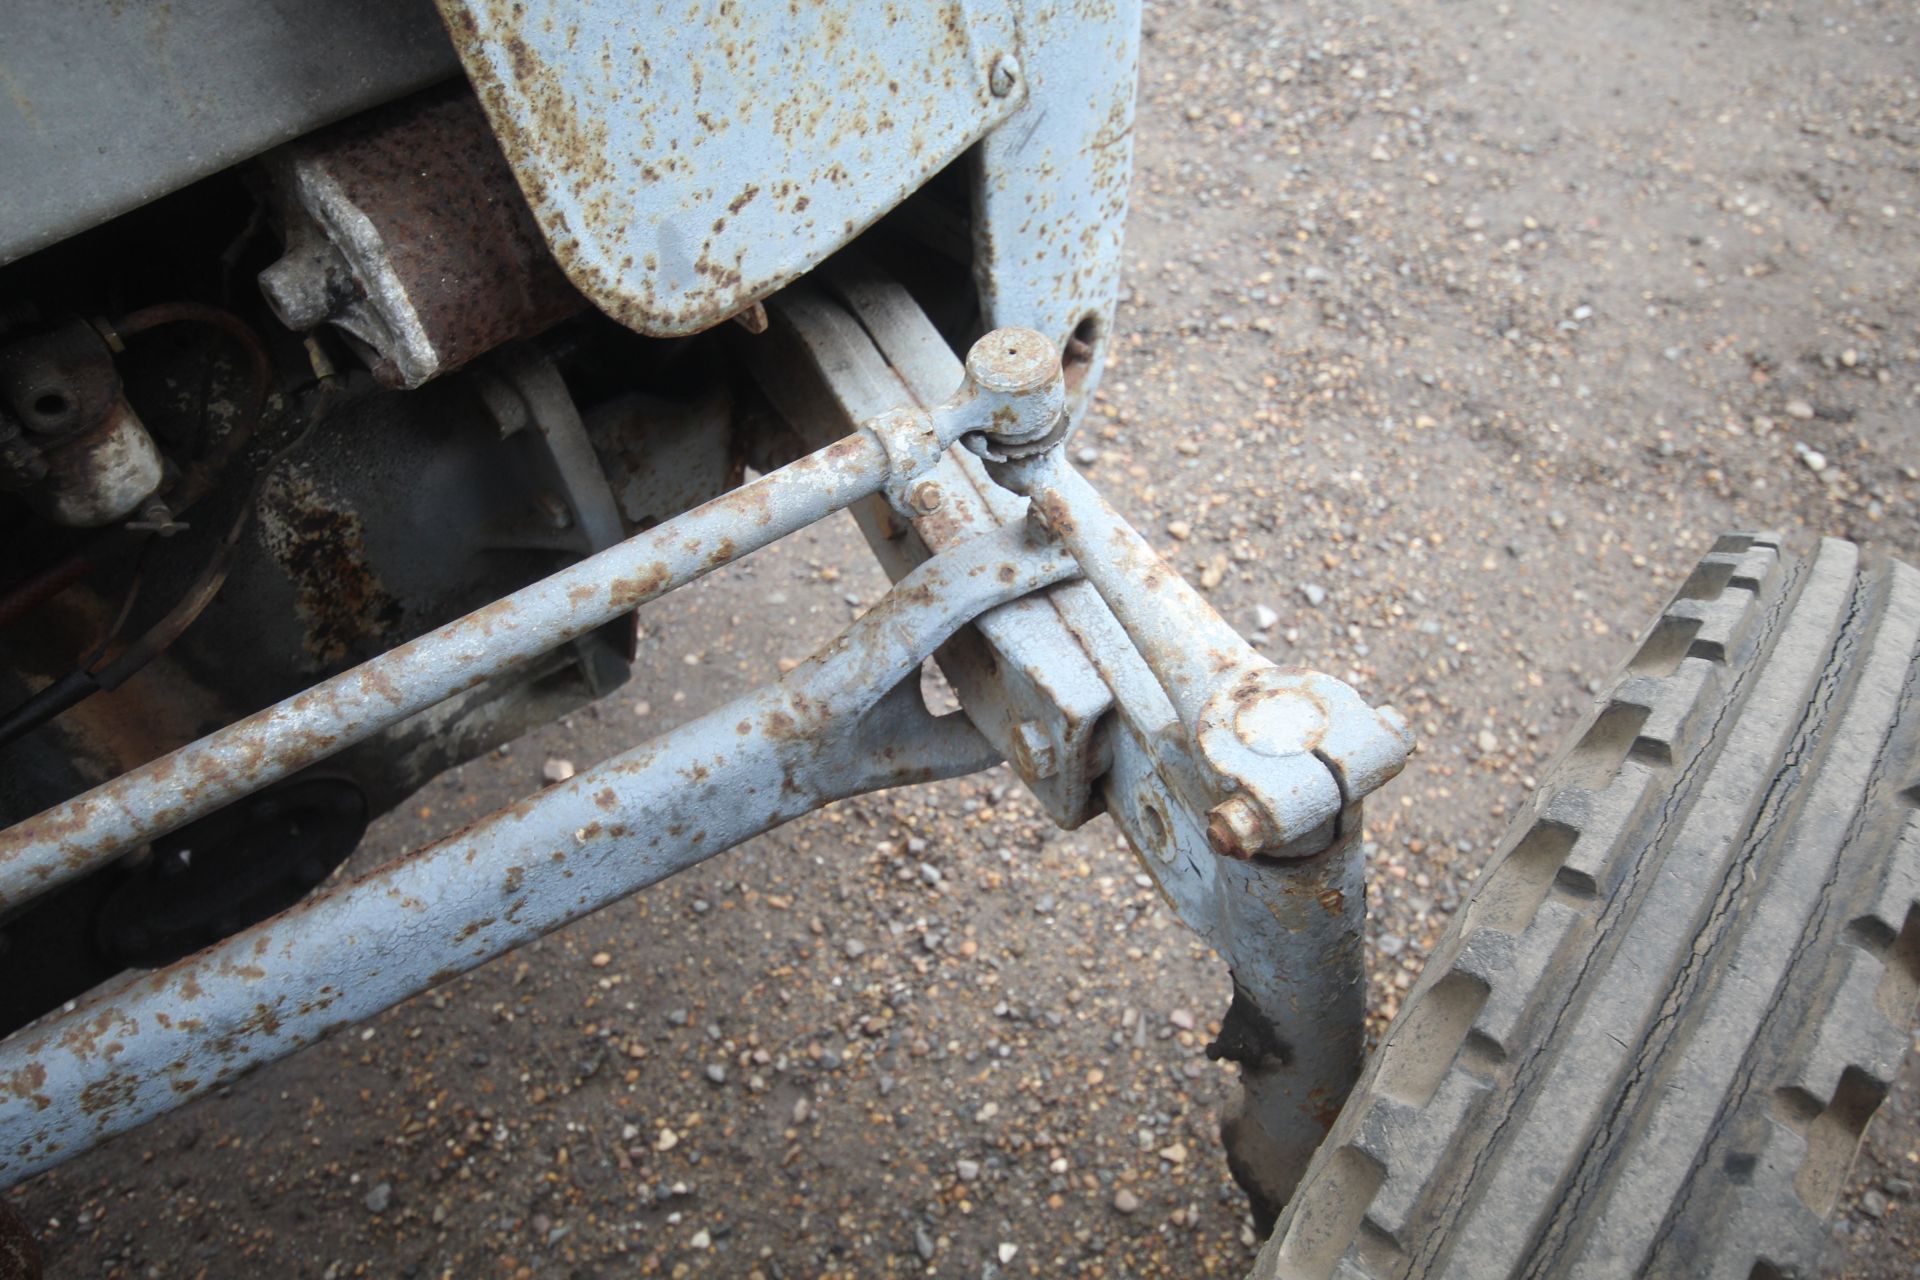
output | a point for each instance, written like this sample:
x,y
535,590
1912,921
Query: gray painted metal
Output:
x,y
1004,384
1050,183
682,170
848,720
1279,761
1291,931
1280,753
109,105
836,361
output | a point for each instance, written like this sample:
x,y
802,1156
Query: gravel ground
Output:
x,y
1452,335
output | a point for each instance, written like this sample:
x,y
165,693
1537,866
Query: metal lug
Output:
x,y
1279,753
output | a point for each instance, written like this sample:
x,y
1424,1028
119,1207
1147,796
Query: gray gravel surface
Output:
x,y
1452,335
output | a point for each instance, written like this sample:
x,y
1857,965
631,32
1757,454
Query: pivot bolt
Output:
x,y
925,497
1236,828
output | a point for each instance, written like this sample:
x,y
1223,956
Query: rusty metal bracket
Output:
x,y
1127,691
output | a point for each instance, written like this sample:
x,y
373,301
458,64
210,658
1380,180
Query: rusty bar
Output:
x,y
197,779
848,720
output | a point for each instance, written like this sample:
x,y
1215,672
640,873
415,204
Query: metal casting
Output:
x,y
833,361
675,173
1278,761
403,228
1040,677
95,461
1238,783
682,172
1281,753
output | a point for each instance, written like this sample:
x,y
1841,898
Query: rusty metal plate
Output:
x,y
685,160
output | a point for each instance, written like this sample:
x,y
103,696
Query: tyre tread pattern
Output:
x,y
1649,1043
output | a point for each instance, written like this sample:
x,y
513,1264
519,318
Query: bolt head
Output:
x,y
926,497
1236,828
1015,375
1004,75
1014,362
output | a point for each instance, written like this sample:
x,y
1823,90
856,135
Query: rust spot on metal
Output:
x,y
1322,1105
1055,513
264,1020
25,1082
108,1095
605,798
321,547
636,589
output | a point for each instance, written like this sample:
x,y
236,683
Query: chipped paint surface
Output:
x,y
848,720
1022,665
686,160
1275,761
